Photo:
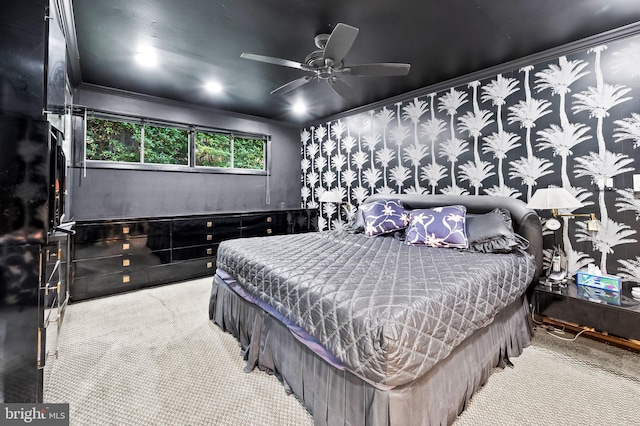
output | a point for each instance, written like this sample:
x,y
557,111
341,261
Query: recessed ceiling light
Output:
x,y
213,87
299,108
146,56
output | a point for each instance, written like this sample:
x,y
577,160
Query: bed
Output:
x,y
375,330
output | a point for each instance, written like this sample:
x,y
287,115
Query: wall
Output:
x,y
566,122
117,193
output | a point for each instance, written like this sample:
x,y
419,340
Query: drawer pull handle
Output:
x,y
209,265
209,224
126,262
209,251
269,219
125,246
125,279
269,231
209,237
125,230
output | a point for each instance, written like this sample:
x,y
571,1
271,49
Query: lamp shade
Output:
x,y
330,197
553,198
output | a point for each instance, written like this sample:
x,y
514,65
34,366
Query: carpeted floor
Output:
x,y
152,357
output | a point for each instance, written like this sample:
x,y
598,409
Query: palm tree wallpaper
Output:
x,y
571,122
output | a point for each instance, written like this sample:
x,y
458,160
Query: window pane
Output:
x,y
113,140
248,153
166,145
213,150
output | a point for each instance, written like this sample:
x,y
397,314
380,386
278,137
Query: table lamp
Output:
x,y
555,198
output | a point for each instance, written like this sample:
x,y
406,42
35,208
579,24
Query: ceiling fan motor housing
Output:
x,y
321,40
323,68
314,59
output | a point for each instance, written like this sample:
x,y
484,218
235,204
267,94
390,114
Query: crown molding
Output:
x,y
545,55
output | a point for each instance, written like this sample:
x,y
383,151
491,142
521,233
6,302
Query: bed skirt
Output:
x,y
336,397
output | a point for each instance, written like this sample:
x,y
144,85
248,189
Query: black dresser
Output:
x,y
114,256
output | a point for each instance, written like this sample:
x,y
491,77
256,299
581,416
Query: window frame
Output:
x,y
233,136
191,155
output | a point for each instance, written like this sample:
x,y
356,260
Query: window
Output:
x,y
136,142
113,140
226,150
213,150
122,141
165,145
248,153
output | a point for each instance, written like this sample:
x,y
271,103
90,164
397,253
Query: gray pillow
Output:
x,y
493,233
356,223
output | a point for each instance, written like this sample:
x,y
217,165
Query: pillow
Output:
x,y
438,227
356,223
383,216
493,233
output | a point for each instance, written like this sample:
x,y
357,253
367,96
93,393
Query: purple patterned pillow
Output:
x,y
383,216
438,227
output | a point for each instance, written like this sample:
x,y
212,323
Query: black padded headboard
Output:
x,y
525,221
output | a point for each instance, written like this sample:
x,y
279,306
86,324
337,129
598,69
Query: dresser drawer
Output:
x,y
257,226
101,265
96,285
201,231
146,260
195,268
180,271
193,225
121,230
90,250
106,284
227,228
195,239
194,252
121,263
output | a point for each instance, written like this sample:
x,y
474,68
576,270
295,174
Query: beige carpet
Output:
x,y
152,357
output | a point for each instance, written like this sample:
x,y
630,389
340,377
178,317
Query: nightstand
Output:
x,y
616,314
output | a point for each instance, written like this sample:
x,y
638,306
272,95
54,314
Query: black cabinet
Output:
x,y
116,256
617,314
21,323
25,264
33,52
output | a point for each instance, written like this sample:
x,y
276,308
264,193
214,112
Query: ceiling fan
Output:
x,y
327,63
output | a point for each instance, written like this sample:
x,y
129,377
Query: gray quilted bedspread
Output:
x,y
387,310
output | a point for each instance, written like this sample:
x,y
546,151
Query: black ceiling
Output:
x,y
200,40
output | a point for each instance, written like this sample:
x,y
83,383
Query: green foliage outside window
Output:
x,y
113,140
166,145
248,153
213,150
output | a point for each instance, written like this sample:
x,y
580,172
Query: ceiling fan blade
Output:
x,y
292,85
377,70
340,42
341,88
275,61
